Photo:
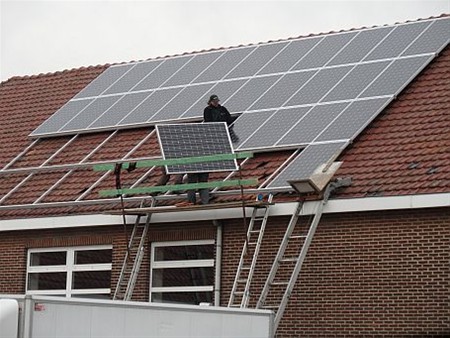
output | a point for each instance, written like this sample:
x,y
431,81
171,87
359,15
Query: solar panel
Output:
x,y
282,90
195,139
249,93
90,113
132,77
308,71
312,124
432,40
353,119
145,111
358,48
257,59
396,76
324,51
290,55
244,126
356,81
318,86
274,128
186,98
223,65
222,89
193,68
123,106
396,42
104,81
306,162
161,74
65,113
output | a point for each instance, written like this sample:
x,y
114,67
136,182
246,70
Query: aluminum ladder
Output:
x,y
273,283
240,293
133,258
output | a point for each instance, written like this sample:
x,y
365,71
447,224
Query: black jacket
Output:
x,y
217,114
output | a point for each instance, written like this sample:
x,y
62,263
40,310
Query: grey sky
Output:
x,y
48,36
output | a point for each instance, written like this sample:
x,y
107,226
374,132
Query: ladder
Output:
x,y
240,293
133,258
269,298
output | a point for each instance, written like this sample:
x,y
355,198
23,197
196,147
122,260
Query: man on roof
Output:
x,y
214,112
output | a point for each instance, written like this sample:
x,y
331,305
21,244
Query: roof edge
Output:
x,y
366,204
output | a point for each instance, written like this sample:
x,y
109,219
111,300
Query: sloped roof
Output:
x,y
405,150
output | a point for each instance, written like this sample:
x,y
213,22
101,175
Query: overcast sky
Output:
x,y
48,36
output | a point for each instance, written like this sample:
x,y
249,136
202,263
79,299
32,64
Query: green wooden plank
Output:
x,y
177,187
175,161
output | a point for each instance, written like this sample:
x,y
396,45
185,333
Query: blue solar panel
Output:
x,y
195,139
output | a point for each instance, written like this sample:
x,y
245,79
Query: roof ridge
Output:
x,y
443,15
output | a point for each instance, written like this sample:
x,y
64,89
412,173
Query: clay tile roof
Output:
x,y
405,150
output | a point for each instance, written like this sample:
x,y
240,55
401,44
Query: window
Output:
x,y
182,272
70,272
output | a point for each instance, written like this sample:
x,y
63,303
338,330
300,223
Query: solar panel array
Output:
x,y
308,92
192,140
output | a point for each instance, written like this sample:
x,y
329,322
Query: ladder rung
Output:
x,y
235,305
279,283
252,243
255,231
290,259
298,236
270,306
238,293
242,281
245,267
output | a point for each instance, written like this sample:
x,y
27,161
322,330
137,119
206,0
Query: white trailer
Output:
x,y
48,317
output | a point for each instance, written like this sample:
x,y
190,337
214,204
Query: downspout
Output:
x,y
218,263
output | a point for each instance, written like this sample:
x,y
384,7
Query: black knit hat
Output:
x,y
213,98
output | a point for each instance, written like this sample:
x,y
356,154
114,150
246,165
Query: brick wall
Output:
x,y
366,274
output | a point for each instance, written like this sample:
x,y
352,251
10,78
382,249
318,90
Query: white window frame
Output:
x,y
69,268
192,263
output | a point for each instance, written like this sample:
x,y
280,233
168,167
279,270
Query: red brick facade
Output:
x,y
366,274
